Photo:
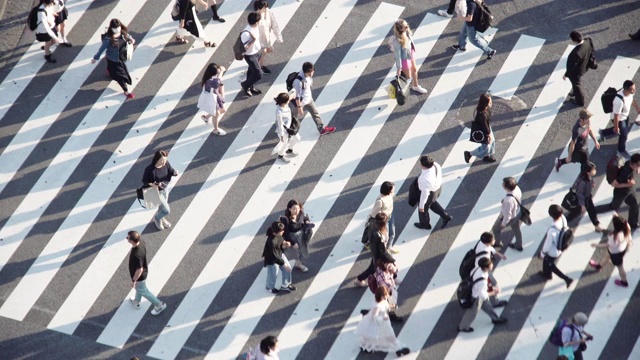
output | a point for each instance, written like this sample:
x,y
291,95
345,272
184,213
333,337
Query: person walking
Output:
x,y
485,249
550,252
267,25
386,275
487,148
450,9
250,37
620,116
480,294
379,237
573,336
46,31
509,214
583,188
115,42
624,189
617,244
297,225
61,16
404,51
158,174
578,65
374,331
138,270
430,185
211,99
578,147
287,133
275,260
214,10
384,204
189,24
304,98
468,31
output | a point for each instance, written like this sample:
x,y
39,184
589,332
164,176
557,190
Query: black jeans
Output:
x,y
452,7
432,203
549,266
623,125
577,89
628,196
370,270
254,73
591,210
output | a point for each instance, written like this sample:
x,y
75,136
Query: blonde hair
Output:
x,y
400,33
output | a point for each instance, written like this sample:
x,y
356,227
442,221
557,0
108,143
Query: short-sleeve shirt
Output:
x,y
625,174
571,333
472,9
579,134
137,260
246,38
482,247
622,106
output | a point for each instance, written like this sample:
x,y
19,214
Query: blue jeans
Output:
x,y
142,291
391,229
163,209
484,150
623,125
272,276
477,41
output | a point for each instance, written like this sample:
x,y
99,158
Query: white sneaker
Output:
x,y
158,309
220,132
419,89
136,304
166,223
158,224
444,13
284,159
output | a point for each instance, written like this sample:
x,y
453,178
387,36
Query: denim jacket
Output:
x,y
113,52
401,53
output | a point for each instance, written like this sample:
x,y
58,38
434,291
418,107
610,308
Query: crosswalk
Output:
x,y
67,175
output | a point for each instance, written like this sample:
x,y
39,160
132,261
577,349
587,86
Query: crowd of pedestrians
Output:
x,y
288,238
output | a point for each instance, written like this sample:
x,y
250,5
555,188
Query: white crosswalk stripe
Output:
x,y
85,298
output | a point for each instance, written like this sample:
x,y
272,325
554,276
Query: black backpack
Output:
x,y
469,262
484,19
32,20
238,47
175,12
565,238
291,78
464,293
607,99
613,167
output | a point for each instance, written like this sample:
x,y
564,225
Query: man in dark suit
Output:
x,y
577,65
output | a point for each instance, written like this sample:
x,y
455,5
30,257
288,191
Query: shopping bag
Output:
x,y
129,51
151,197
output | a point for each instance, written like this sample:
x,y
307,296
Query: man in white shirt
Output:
x,y
430,184
481,294
304,98
485,249
550,252
620,117
249,37
509,214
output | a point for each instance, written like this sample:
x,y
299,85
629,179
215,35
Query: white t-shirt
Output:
x,y
619,244
622,106
481,288
303,93
429,180
283,120
246,38
483,247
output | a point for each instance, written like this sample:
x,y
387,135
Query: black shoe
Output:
x,y
499,321
543,275
445,221
489,159
288,288
364,312
247,92
255,91
395,318
50,59
491,53
275,291
501,303
67,44
467,156
569,282
218,19
403,351
366,351
457,47
419,226
467,330
575,102
266,70
635,36
513,246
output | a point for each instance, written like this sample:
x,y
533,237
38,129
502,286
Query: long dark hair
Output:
x,y
586,170
620,224
210,71
291,204
381,222
114,23
483,103
158,155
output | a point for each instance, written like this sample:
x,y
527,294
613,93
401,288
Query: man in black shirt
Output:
x,y
138,270
624,189
577,65
469,31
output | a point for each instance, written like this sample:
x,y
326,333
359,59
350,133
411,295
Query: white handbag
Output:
x,y
151,197
129,51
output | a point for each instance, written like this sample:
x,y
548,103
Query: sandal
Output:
x,y
205,118
180,40
209,44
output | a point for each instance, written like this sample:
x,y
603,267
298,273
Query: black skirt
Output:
x,y
62,16
118,71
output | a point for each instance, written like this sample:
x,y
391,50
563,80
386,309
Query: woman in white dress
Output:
x,y
211,99
374,330
268,23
